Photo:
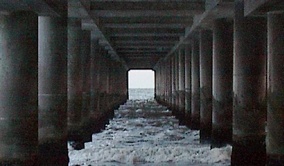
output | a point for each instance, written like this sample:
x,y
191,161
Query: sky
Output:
x,y
141,79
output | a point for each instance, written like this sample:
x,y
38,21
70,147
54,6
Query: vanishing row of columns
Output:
x,y
228,82
56,85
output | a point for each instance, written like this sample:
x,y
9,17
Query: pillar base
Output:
x,y
187,120
98,122
31,162
221,137
275,160
249,152
182,120
205,134
53,153
195,125
87,131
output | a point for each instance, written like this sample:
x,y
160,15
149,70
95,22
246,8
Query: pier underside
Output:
x,y
64,70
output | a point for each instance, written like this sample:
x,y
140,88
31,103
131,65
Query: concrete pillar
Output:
x,y
205,40
173,83
163,82
19,89
187,85
108,103
94,72
157,86
111,83
177,84
195,84
125,84
275,93
53,91
249,88
74,83
182,85
167,81
169,75
95,114
102,88
86,85
222,85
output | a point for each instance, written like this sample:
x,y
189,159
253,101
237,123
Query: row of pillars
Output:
x,y
57,84
228,82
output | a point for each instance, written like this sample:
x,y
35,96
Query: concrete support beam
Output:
x,y
181,75
53,91
260,7
195,86
157,87
173,82
187,85
95,117
19,89
205,60
222,83
144,13
103,83
176,109
166,83
249,88
275,92
169,82
74,83
86,85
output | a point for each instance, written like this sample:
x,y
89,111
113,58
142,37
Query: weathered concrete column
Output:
x,y
181,85
110,111
95,113
125,84
111,83
74,83
19,89
114,80
187,85
176,56
195,85
222,85
169,75
205,40
94,72
101,89
86,85
157,84
168,68
275,93
249,87
173,83
53,90
163,81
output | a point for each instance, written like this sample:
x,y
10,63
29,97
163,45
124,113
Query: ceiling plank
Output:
x,y
147,5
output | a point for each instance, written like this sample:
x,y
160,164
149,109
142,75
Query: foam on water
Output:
x,y
145,133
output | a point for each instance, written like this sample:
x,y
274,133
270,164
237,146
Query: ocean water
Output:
x,y
141,94
145,133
